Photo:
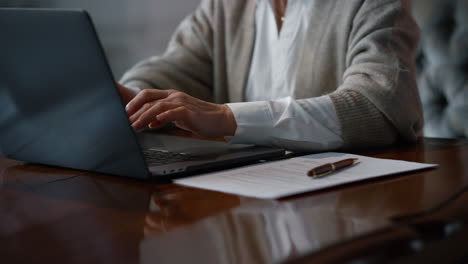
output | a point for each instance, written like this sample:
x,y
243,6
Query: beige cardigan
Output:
x,y
363,58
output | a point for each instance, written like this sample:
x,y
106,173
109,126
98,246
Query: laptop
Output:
x,y
59,106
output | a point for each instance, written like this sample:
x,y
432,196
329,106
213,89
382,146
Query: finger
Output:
x,y
155,124
144,97
138,113
151,114
180,114
145,107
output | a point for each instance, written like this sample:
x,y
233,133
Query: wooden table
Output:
x,y
50,215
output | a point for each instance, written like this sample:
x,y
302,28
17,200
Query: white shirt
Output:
x,y
270,116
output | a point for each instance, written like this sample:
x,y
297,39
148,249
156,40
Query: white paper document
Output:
x,y
283,178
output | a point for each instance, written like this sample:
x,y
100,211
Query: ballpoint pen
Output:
x,y
328,168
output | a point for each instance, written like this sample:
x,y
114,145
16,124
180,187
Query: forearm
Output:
x,y
378,101
363,125
156,73
306,125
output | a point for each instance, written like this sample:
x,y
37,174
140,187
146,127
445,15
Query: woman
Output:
x,y
305,75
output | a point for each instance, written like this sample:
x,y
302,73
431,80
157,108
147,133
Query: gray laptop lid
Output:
x,y
59,104
57,96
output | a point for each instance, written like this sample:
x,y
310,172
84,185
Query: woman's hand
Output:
x,y
154,108
126,94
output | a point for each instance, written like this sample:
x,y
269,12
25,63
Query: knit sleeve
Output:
x,y
187,64
378,101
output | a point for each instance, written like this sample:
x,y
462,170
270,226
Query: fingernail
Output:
x,y
127,107
160,118
136,125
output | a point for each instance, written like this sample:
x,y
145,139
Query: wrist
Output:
x,y
231,124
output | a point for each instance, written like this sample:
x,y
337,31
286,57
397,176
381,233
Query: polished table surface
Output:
x,y
52,215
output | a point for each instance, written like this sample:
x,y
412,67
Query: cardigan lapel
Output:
x,y
242,50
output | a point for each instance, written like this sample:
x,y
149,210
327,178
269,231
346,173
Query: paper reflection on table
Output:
x,y
197,226
262,232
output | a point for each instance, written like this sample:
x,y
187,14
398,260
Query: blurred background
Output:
x,y
128,30
133,30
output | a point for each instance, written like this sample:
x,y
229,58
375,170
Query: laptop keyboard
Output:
x,y
158,157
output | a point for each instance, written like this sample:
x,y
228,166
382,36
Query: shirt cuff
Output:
x,y
252,118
